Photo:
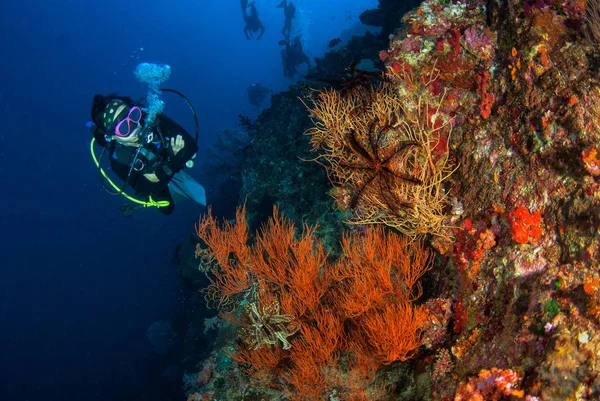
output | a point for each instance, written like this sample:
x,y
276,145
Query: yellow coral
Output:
x,y
386,150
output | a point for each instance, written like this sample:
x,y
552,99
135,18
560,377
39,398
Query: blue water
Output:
x,y
80,284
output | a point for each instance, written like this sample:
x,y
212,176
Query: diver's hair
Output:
x,y
100,102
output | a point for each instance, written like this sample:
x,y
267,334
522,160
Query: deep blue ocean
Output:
x,y
81,284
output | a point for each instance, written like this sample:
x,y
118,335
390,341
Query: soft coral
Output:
x,y
527,227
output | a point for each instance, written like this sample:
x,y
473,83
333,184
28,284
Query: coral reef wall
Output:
x,y
520,80
505,97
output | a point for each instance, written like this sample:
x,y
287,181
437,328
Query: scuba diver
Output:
x,y
292,56
257,94
148,158
289,11
253,24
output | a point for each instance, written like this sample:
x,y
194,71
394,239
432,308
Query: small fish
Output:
x,y
334,42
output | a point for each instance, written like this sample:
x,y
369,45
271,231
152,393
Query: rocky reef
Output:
x,y
479,144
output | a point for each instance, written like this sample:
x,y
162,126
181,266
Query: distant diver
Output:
x,y
252,21
292,56
148,158
334,42
257,94
289,11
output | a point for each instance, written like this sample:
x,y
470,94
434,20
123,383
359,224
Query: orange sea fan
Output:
x,y
358,308
260,363
379,267
321,338
228,245
307,378
394,333
293,265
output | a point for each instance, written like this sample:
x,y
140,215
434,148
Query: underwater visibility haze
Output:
x,y
300,200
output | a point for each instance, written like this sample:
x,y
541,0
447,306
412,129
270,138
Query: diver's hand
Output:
x,y
177,144
151,177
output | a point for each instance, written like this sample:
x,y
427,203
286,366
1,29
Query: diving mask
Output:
x,y
129,124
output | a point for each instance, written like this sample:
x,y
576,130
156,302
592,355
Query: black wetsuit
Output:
x,y
155,157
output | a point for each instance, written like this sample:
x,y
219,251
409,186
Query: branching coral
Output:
x,y
592,21
379,268
261,362
229,249
386,154
378,280
394,333
313,311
